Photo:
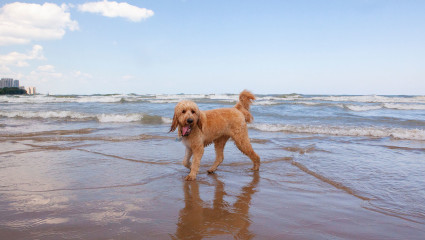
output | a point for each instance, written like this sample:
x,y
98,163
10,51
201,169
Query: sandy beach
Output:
x,y
59,188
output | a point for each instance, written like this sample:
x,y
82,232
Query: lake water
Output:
x,y
105,166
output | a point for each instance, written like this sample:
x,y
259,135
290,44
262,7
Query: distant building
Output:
x,y
6,82
9,83
30,90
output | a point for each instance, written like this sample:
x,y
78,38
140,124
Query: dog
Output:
x,y
198,129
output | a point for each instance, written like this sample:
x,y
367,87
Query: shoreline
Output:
x,y
97,191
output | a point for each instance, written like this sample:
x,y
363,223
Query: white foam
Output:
x,y
62,99
340,105
100,99
404,106
179,96
361,108
164,101
167,120
264,102
174,98
411,134
370,99
119,118
227,97
69,115
397,133
308,103
45,115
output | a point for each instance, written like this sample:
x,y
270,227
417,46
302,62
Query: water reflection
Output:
x,y
199,219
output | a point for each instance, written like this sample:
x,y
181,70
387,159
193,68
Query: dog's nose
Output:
x,y
190,120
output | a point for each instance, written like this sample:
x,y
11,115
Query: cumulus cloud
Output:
x,y
20,23
21,59
114,9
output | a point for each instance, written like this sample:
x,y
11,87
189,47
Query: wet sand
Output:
x,y
84,185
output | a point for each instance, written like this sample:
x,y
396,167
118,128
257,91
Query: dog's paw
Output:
x,y
211,171
190,178
255,168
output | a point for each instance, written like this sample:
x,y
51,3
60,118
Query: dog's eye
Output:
x,y
193,111
184,111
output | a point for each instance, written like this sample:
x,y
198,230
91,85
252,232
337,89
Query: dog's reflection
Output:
x,y
199,219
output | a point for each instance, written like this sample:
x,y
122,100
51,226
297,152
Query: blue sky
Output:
x,y
308,47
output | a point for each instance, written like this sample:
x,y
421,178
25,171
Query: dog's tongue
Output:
x,y
185,130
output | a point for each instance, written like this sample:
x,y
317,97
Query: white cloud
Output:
x,y
20,23
46,68
20,59
114,9
79,74
44,73
9,73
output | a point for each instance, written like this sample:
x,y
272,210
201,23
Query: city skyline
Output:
x,y
306,47
14,83
9,82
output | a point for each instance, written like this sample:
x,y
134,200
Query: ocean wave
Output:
x,y
370,99
179,96
266,102
161,101
404,106
361,108
158,98
62,99
228,97
416,101
78,116
396,106
395,133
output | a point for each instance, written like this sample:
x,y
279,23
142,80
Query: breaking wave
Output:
x,y
404,106
376,132
370,99
350,103
79,116
361,108
395,106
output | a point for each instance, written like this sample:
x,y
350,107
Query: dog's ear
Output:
x,y
201,119
174,124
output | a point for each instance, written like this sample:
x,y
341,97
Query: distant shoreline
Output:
x,y
12,91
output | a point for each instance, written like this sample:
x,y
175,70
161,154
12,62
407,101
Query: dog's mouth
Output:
x,y
186,130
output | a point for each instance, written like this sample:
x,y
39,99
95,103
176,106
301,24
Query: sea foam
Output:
x,y
396,133
404,106
79,116
361,108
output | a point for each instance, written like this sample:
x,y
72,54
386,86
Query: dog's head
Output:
x,y
186,117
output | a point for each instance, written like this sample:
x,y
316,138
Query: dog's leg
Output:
x,y
219,147
187,156
243,143
198,151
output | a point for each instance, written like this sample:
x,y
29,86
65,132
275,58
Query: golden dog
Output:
x,y
198,129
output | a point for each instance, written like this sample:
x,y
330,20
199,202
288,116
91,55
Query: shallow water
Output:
x,y
105,166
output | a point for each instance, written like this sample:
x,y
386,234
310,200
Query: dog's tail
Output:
x,y
245,100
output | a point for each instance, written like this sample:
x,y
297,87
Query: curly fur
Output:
x,y
213,126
